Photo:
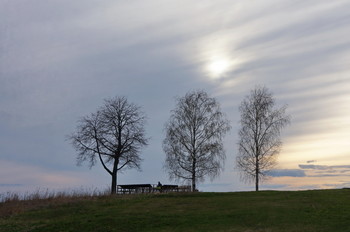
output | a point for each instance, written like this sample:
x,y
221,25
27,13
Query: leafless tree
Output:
x,y
259,135
193,142
114,136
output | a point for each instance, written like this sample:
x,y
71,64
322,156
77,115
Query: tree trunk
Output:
x,y
114,183
114,177
256,175
193,183
194,175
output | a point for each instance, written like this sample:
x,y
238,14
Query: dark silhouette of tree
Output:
x,y
193,141
259,135
114,136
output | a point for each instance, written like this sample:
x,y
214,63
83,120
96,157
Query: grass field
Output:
x,y
317,210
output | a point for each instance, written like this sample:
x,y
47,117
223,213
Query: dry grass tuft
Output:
x,y
14,203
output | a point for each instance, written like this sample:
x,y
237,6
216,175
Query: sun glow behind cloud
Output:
x,y
217,62
218,67
299,50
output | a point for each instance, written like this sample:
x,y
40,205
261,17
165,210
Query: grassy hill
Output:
x,y
321,210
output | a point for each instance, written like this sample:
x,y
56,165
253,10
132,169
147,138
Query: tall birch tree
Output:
x,y
259,136
193,140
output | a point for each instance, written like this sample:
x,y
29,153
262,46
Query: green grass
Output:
x,y
322,210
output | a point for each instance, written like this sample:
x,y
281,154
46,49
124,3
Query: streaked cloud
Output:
x,y
311,177
10,185
16,176
324,167
60,58
286,172
311,161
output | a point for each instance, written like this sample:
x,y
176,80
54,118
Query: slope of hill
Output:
x,y
317,210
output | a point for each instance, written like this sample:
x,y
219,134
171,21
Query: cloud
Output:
x,y
18,176
274,186
60,58
11,185
286,172
310,186
215,185
311,161
343,184
321,171
323,167
218,187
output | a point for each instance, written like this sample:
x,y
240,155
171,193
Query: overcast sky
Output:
x,y
60,58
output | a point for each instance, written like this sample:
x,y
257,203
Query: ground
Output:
x,y
318,210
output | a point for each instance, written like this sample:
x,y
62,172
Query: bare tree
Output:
x,y
259,135
193,142
114,136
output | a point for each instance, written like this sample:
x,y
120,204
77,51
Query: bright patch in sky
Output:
x,y
218,67
56,68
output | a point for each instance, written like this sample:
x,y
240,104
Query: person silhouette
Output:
x,y
159,186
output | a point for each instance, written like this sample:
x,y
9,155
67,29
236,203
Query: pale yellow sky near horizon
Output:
x,y
61,58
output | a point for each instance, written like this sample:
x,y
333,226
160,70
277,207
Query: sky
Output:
x,y
59,59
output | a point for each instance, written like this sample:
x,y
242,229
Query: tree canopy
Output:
x,y
114,136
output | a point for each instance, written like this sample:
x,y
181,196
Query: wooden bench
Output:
x,y
148,188
134,188
169,188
